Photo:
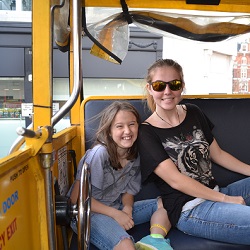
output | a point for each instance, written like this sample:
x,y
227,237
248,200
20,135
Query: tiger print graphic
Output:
x,y
191,156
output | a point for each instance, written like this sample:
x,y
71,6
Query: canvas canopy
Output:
x,y
107,23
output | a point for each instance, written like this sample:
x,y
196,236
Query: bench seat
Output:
x,y
231,118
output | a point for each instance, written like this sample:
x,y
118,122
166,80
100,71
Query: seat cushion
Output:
x,y
178,240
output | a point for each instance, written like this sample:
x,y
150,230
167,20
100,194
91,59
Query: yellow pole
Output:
x,y
42,75
42,102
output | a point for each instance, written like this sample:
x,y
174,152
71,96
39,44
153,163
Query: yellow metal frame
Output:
x,y
21,173
24,223
224,6
23,218
41,61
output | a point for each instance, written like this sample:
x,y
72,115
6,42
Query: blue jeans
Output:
x,y
106,233
221,221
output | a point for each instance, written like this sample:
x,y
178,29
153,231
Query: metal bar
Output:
x,y
46,164
77,62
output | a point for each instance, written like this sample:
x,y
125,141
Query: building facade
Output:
x,y
100,77
241,68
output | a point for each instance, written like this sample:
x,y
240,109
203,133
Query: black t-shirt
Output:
x,y
187,145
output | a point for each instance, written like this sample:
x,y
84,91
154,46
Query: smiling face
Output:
x,y
124,129
166,99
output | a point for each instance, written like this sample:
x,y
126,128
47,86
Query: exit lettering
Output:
x,y
9,232
11,229
2,240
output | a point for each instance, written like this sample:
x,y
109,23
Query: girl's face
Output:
x,y
124,129
166,99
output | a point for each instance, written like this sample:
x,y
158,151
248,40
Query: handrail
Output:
x,y
18,142
77,63
28,133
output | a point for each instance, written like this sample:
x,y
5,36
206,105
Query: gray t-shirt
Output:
x,y
109,184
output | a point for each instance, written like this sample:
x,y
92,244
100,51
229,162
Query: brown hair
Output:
x,y
160,64
103,132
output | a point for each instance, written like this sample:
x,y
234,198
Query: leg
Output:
x,y
151,210
219,221
239,188
143,210
160,225
125,244
107,234
160,217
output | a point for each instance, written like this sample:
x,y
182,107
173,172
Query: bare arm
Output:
x,y
128,202
120,216
167,171
75,192
124,218
96,206
228,161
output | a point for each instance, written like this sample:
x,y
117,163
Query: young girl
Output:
x,y
115,178
176,147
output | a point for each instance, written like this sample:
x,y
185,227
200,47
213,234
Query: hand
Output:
x,y
124,219
234,199
128,210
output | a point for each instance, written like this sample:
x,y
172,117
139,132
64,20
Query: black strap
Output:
x,y
126,12
84,25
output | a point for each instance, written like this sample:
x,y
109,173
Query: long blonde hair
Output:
x,y
160,64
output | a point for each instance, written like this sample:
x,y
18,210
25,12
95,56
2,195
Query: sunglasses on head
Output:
x,y
161,85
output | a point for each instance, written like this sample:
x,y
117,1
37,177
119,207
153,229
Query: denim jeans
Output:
x,y
221,221
106,233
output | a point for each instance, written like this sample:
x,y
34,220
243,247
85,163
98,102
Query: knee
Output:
x,y
125,244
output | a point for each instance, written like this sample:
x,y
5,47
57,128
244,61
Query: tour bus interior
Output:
x,y
62,45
